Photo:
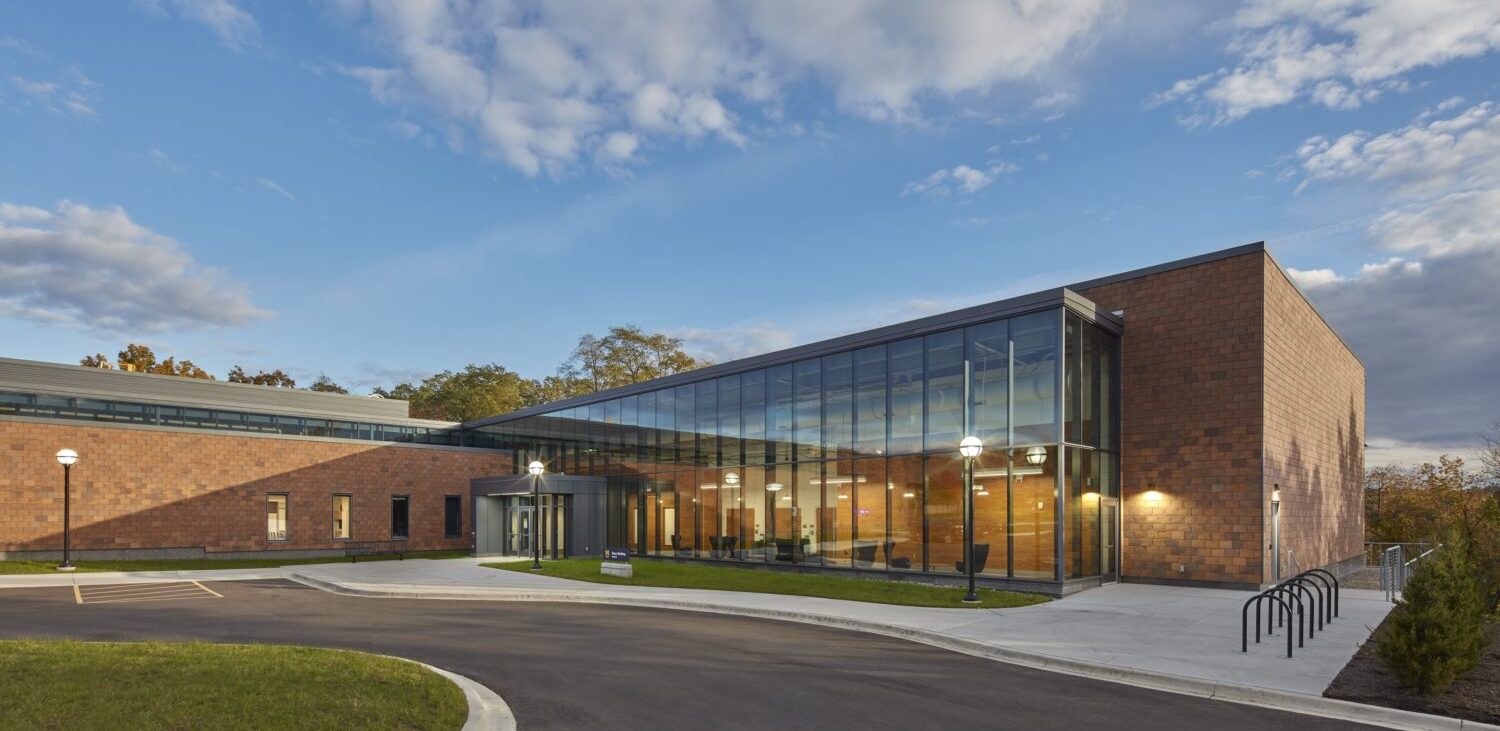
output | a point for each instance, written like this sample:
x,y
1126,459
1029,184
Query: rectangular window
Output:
x,y
808,412
989,390
869,400
779,416
1034,346
945,391
341,518
905,374
276,516
400,517
753,411
453,516
838,404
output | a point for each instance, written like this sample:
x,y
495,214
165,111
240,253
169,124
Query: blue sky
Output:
x,y
383,190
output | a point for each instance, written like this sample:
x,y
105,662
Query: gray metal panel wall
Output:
x,y
70,380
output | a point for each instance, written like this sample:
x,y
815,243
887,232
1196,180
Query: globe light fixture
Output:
x,y
67,458
1036,455
970,447
536,468
732,479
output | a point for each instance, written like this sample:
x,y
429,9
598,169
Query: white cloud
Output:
x,y
1430,156
95,269
1337,53
234,27
70,95
542,86
958,179
733,343
1421,316
276,188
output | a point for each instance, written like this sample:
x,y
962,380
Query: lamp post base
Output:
x,y
65,567
536,566
971,599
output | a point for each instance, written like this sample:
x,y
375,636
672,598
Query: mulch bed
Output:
x,y
1475,697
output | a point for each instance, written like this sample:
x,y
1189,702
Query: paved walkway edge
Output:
x,y
1250,695
487,710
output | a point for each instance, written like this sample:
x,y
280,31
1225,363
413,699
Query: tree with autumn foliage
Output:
x,y
141,359
276,378
626,355
1422,504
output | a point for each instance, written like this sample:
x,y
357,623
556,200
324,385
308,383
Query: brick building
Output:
x,y
1195,422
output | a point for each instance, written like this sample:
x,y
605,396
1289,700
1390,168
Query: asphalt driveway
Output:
x,y
569,666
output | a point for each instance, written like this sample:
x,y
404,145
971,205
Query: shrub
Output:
x,y
1436,632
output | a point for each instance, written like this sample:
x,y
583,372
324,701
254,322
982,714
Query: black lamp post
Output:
x,y
67,458
970,448
536,469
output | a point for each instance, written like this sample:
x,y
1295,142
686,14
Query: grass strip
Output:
x,y
731,578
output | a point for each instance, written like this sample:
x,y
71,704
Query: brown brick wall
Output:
x,y
1191,420
141,488
1231,383
1314,435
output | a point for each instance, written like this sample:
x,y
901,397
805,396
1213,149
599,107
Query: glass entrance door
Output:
x,y
1109,553
518,527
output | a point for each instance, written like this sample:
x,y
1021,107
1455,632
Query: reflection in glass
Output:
x,y
905,373
1034,340
945,390
903,549
872,511
870,407
945,512
1033,478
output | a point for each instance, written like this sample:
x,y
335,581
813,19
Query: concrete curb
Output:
x,y
487,710
1249,695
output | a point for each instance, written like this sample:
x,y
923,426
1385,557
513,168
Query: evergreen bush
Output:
x,y
1436,632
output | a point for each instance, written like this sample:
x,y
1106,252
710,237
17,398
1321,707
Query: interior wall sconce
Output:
x,y
1153,495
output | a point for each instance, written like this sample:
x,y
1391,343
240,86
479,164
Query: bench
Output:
x,y
375,548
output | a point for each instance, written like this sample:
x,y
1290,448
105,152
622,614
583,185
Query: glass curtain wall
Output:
x,y
850,459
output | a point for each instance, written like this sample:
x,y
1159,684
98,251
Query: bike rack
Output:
x,y
1320,590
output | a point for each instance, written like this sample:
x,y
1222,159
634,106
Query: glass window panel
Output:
x,y
753,414
838,404
989,391
1034,348
453,516
872,496
807,421
341,517
1081,517
276,517
400,517
905,374
945,512
1034,502
1088,387
779,416
687,438
1073,369
666,427
729,420
782,530
991,513
710,519
732,540
752,506
1109,405
688,519
836,522
808,512
708,423
870,407
903,547
945,390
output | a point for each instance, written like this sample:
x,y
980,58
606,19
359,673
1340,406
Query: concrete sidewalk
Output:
x,y
1186,633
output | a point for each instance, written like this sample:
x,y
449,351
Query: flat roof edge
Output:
x,y
1212,256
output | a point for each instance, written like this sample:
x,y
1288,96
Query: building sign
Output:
x,y
617,555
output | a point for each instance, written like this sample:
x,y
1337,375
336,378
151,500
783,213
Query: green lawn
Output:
x,y
199,564
160,685
729,578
